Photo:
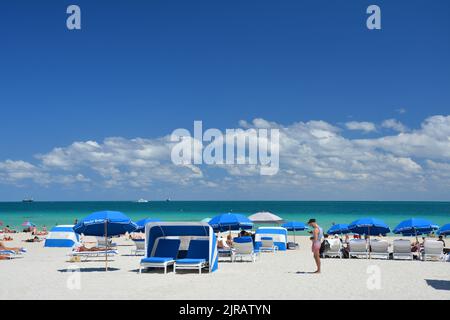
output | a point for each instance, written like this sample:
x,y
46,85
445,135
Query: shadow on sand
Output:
x,y
102,269
439,284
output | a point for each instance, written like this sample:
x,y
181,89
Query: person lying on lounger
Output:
x,y
3,247
7,238
2,257
35,239
83,248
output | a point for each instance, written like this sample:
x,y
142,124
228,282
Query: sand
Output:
x,y
42,274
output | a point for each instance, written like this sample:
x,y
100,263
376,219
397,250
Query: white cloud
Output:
x,y
394,125
362,126
314,157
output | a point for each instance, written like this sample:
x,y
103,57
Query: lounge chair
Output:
x,y
85,255
165,254
335,249
197,256
358,247
243,248
402,249
139,247
267,245
432,249
379,248
102,243
10,254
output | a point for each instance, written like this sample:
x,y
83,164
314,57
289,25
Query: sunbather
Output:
x,y
229,241
442,240
3,247
83,248
35,239
2,257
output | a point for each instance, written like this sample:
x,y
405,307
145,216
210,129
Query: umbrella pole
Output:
x,y
106,246
370,249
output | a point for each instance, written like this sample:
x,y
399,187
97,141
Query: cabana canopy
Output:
x,y
278,234
185,231
61,237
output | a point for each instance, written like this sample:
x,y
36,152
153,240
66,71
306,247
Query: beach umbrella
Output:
x,y
105,223
265,217
28,224
230,221
340,228
415,226
444,230
369,227
141,224
294,226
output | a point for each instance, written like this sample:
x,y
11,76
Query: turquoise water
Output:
x,y
326,212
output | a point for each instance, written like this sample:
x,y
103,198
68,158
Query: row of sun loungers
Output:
x,y
401,249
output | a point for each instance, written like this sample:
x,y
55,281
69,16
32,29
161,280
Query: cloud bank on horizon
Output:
x,y
317,161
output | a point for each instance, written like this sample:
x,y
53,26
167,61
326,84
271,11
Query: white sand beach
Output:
x,y
42,274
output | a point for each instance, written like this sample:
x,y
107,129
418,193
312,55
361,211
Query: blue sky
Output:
x,y
140,69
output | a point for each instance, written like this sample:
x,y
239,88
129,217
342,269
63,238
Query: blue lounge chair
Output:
x,y
165,254
197,256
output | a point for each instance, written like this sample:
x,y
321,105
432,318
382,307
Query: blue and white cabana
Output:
x,y
61,237
278,234
185,231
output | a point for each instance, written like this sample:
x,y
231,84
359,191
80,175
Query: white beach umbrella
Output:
x,y
265,217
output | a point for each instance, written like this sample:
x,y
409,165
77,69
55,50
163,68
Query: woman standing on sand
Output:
x,y
316,241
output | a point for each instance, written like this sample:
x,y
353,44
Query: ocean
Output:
x,y
326,212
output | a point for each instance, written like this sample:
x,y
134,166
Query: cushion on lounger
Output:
x,y
167,248
191,261
243,240
156,260
198,249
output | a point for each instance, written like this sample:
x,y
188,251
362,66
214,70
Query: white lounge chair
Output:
x,y
165,254
197,256
243,248
85,255
357,248
101,242
432,249
335,249
139,247
11,254
267,245
379,249
402,249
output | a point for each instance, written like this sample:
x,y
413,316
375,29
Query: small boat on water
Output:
x,y
28,200
142,201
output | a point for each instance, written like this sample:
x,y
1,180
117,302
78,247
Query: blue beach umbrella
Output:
x,y
230,221
105,223
294,226
444,230
340,228
415,226
28,224
141,224
369,227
